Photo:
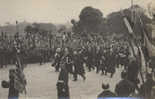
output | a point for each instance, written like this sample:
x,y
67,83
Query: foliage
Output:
x,y
90,21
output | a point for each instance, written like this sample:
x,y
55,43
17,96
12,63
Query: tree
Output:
x,y
116,23
90,20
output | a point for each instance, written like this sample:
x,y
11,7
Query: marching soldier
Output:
x,y
78,66
62,83
132,72
125,87
13,92
152,65
111,63
146,88
90,59
57,59
98,58
68,60
103,63
1,58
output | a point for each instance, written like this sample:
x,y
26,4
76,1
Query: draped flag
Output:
x,y
136,48
142,59
150,47
127,24
133,49
147,43
20,80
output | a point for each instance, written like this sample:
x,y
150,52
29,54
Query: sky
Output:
x,y
57,11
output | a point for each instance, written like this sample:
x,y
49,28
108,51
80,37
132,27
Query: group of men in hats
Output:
x,y
126,88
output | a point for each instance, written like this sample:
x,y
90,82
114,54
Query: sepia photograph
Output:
x,y
77,49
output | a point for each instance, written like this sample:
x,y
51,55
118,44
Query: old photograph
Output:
x,y
77,49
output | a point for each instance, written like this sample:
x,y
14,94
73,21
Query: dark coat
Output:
x,y
146,88
63,75
78,64
62,87
62,91
124,88
132,72
13,93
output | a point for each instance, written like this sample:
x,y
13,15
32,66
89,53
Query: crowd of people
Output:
x,y
104,58
75,55
77,62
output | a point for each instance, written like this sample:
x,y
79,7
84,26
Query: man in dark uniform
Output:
x,y
68,60
146,88
97,59
90,59
41,56
106,92
102,65
57,59
125,87
111,63
62,83
132,72
78,66
123,56
152,65
1,58
13,92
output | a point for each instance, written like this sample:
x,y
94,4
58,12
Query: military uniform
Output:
x,y
111,63
132,71
125,87
78,66
146,88
62,84
13,92
97,60
57,60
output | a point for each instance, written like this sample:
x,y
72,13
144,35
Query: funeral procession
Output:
x,y
77,49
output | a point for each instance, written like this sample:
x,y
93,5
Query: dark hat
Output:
x,y
105,86
123,74
5,84
12,70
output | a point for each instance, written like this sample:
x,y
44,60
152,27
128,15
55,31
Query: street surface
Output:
x,y
41,83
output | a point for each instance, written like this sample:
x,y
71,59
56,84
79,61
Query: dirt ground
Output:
x,y
41,83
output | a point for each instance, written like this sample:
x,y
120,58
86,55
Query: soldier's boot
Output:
x,y
75,77
89,69
97,70
103,72
83,76
57,68
111,75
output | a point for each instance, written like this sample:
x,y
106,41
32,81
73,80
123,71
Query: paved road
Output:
x,y
42,83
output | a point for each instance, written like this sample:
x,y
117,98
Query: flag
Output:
x,y
150,47
127,24
20,80
133,47
142,60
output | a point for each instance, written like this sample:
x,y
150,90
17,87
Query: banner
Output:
x,y
150,47
127,24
